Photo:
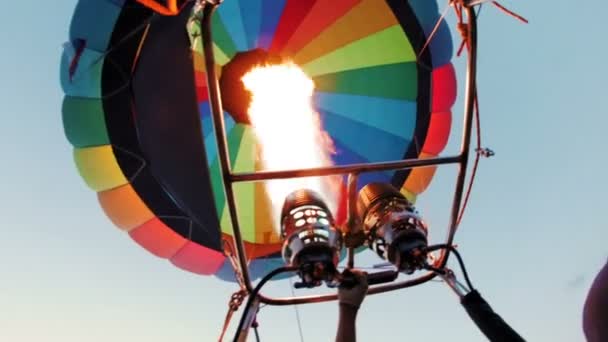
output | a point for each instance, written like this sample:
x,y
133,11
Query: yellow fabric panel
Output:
x,y
265,231
99,168
124,207
199,64
409,195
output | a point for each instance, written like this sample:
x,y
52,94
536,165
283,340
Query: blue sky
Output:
x,y
533,239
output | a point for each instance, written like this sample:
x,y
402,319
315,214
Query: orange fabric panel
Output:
x,y
158,239
198,60
124,207
201,70
420,178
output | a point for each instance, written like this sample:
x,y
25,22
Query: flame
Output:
x,y
289,132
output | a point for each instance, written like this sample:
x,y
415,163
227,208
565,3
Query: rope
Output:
x,y
462,28
229,251
434,31
170,9
509,12
475,164
236,300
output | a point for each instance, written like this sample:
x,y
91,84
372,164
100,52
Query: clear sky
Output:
x,y
535,235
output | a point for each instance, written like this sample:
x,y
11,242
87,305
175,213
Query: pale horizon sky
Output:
x,y
533,238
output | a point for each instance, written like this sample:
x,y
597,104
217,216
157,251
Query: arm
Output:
x,y
595,312
346,324
350,299
488,321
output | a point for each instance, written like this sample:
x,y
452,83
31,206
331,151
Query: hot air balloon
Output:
x,y
137,110
183,123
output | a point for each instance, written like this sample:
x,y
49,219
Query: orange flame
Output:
x,y
289,131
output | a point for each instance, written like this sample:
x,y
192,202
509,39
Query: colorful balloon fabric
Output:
x,y
137,112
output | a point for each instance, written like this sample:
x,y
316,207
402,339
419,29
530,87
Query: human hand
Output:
x,y
353,292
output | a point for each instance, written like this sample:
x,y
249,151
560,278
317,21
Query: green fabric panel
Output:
x,y
221,37
388,46
245,161
225,222
220,57
245,192
234,141
84,122
397,81
223,47
219,196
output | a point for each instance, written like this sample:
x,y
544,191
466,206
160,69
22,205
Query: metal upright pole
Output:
x,y
469,106
220,134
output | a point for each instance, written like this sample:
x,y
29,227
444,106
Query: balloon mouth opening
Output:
x,y
235,97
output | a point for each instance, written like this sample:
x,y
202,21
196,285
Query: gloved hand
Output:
x,y
353,295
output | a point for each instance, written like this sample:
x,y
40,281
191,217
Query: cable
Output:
x,y
255,292
257,335
297,312
453,249
464,269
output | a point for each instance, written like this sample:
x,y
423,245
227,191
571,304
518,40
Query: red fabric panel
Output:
x,y
202,94
255,250
342,210
198,259
317,20
158,239
295,11
438,133
444,88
